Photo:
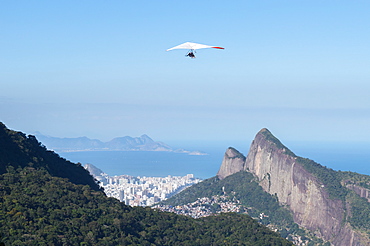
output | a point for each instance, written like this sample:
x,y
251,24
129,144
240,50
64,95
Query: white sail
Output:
x,y
193,46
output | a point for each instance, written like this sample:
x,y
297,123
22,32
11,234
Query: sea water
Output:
x,y
353,157
344,156
149,163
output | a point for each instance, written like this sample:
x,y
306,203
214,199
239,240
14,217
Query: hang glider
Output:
x,y
192,47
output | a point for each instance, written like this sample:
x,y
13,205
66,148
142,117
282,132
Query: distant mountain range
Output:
x,y
127,143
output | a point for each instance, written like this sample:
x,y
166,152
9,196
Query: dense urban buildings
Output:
x,y
144,191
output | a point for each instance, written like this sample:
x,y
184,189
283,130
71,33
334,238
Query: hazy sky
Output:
x,y
100,69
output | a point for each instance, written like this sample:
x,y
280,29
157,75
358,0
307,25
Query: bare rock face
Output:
x,y
361,191
233,162
279,172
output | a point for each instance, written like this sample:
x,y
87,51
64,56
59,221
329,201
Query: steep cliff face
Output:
x,y
280,172
361,191
233,162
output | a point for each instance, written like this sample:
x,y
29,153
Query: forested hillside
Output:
x,y
38,209
278,188
40,206
19,150
242,187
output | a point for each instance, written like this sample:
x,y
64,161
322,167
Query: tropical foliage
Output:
x,y
46,200
242,186
38,209
19,150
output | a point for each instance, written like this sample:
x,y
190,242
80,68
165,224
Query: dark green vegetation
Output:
x,y
360,210
330,178
335,183
40,206
325,175
19,150
356,179
243,187
271,138
38,209
360,207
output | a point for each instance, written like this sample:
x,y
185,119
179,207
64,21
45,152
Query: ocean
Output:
x,y
148,163
344,156
353,157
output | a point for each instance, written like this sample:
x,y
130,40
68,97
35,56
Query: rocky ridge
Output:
x,y
233,162
279,171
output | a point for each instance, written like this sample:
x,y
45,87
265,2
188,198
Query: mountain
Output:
x,y
93,170
66,144
241,193
304,201
101,177
19,151
143,143
233,162
333,205
46,200
127,143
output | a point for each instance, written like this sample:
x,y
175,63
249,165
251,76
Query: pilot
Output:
x,y
191,54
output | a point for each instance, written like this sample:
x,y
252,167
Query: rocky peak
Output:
x,y
280,172
265,138
145,138
233,162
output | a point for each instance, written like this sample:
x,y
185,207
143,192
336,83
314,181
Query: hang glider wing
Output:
x,y
193,46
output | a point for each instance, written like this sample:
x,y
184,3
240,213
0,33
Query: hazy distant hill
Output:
x,y
93,170
142,143
65,144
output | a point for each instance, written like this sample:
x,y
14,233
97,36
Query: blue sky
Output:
x,y
99,69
